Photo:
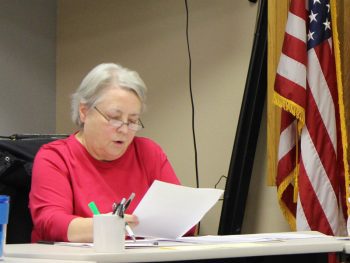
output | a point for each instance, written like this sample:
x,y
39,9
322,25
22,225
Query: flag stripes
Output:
x,y
310,172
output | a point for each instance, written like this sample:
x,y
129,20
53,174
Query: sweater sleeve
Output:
x,y
51,197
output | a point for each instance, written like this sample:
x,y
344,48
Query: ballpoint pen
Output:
x,y
127,203
120,208
115,208
130,232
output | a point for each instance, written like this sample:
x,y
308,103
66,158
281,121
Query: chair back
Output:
x,y
17,153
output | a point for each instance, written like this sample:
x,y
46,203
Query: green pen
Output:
x,y
94,208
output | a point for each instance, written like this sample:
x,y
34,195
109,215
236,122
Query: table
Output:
x,y
38,260
307,250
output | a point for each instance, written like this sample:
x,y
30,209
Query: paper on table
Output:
x,y
155,242
265,237
169,210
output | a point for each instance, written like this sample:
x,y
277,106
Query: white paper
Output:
x,y
169,210
73,244
155,242
210,239
266,237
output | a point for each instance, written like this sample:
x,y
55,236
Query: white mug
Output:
x,y
109,233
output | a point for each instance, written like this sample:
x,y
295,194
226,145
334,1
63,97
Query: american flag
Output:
x,y
310,175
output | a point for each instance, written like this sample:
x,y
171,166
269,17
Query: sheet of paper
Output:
x,y
73,244
169,211
156,242
266,237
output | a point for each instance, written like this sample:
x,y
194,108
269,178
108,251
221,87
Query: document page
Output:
x,y
169,210
264,237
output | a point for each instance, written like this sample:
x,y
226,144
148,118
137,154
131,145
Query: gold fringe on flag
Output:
x,y
285,210
341,100
292,107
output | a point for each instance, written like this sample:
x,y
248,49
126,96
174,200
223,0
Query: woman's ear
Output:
x,y
83,110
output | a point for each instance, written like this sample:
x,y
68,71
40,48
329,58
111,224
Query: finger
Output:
x,y
132,220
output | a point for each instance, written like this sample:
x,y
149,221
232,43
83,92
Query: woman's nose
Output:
x,y
123,128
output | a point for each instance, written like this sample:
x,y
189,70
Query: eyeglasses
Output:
x,y
135,126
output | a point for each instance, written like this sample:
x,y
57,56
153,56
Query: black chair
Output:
x,y
17,153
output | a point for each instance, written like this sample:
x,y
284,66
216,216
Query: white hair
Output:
x,y
103,76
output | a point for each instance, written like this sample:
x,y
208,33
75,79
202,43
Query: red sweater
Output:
x,y
66,178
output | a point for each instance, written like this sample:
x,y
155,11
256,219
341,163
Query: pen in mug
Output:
x,y
115,208
93,208
120,210
131,197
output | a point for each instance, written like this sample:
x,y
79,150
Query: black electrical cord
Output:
x,y
192,105
191,93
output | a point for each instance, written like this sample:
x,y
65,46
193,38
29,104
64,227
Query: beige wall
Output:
x,y
149,36
27,66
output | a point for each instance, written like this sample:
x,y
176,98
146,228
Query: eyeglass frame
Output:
x,y
139,126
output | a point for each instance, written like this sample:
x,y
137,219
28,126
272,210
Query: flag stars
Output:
x,y
310,35
317,1
312,17
328,7
327,25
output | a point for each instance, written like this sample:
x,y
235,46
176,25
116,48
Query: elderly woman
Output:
x,y
102,162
